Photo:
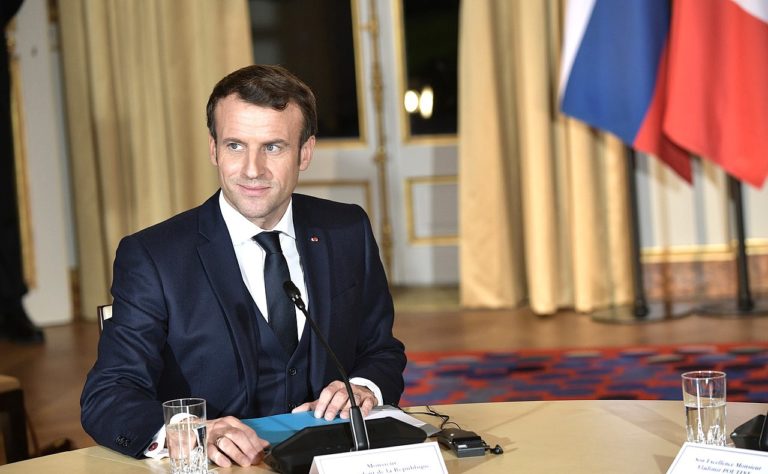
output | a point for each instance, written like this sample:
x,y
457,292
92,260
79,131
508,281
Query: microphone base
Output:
x,y
751,434
295,454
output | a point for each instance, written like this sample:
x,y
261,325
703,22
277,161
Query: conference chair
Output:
x,y
13,420
104,312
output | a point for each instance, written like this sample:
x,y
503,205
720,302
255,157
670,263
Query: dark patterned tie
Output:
x,y
282,315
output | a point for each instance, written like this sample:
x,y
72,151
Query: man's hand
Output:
x,y
334,401
230,440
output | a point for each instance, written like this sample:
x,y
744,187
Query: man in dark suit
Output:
x,y
193,316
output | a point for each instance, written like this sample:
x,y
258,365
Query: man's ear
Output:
x,y
212,150
305,155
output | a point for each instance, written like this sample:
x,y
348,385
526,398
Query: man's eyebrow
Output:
x,y
277,141
232,140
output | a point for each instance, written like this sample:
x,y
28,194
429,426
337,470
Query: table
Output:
x,y
589,436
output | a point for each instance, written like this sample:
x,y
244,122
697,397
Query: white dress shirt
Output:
x,y
251,257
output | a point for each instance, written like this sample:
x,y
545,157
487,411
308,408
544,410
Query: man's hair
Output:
x,y
266,86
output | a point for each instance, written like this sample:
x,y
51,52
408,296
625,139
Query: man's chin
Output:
x,y
251,208
260,217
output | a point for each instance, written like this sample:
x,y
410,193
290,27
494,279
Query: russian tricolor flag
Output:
x,y
698,85
613,73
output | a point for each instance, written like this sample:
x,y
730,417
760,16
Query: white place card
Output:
x,y
711,459
423,458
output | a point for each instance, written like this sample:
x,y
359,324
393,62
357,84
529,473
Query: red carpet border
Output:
x,y
643,373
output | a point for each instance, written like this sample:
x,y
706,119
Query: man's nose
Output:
x,y
256,165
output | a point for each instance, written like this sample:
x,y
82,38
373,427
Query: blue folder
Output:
x,y
278,428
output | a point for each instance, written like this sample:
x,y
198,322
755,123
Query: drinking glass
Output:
x,y
704,399
185,435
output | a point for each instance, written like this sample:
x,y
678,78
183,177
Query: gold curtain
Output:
x,y
543,203
137,77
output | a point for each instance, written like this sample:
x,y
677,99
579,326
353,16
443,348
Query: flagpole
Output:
x,y
744,304
641,304
640,311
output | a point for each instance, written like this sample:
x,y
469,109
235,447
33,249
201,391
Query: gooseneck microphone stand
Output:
x,y
295,454
356,422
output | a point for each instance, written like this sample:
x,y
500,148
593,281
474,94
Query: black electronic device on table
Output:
x,y
463,443
752,434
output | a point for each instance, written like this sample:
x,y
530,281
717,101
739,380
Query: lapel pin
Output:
x,y
314,238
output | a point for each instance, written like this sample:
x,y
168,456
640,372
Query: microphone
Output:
x,y
359,431
295,454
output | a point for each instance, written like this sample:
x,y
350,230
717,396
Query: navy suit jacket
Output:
x,y
183,323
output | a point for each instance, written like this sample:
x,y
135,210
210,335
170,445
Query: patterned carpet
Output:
x,y
650,373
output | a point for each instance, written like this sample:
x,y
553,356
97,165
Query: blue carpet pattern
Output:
x,y
645,373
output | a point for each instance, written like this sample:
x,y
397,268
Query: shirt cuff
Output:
x,y
370,386
156,449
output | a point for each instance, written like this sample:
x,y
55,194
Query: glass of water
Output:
x,y
185,435
704,399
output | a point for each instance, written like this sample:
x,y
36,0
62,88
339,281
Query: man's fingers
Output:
x,y
367,405
230,440
217,457
325,398
339,401
241,452
249,433
334,400
304,407
364,402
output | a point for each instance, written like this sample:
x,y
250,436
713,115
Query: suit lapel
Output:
x,y
220,263
312,244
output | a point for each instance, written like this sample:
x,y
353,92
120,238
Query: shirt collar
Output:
x,y
241,230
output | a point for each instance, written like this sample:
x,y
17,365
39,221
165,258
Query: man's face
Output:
x,y
259,157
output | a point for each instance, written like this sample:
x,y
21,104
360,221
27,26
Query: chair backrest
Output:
x,y
104,312
13,430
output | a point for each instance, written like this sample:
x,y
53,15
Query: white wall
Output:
x,y
49,301
698,217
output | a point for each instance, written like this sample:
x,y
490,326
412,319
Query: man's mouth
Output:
x,y
254,189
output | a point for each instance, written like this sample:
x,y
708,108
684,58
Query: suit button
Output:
x,y
292,371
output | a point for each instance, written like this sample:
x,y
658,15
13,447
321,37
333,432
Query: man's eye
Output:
x,y
234,146
272,148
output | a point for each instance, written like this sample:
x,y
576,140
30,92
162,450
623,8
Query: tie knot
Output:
x,y
269,241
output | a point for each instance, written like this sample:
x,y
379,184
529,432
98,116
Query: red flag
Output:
x,y
717,96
